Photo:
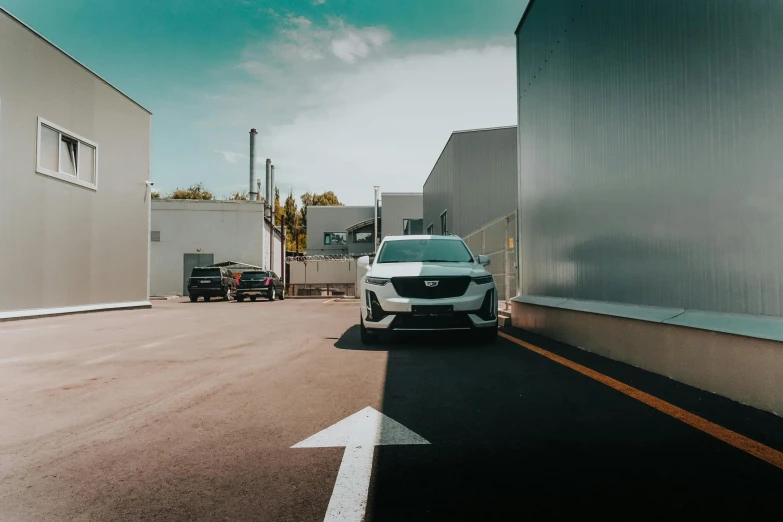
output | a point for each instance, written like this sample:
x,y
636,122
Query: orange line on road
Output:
x,y
741,442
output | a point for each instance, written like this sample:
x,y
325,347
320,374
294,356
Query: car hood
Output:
x,y
389,270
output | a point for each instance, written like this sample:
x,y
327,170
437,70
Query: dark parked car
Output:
x,y
210,282
258,283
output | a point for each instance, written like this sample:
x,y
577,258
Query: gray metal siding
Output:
x,y
475,180
332,219
64,245
396,208
650,149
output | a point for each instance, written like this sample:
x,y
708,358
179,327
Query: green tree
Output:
x,y
293,223
278,210
195,191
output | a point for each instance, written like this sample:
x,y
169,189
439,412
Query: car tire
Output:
x,y
487,335
207,298
282,295
193,298
365,335
227,294
273,294
253,298
240,299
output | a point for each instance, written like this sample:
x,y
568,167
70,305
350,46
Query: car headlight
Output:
x,y
377,281
483,280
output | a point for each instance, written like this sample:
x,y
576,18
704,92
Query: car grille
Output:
x,y
435,322
415,287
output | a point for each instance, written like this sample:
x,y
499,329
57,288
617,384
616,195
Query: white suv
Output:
x,y
424,283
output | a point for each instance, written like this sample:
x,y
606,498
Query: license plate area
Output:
x,y
426,310
205,281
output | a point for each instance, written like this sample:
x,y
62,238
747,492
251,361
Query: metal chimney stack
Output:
x,y
272,222
252,193
272,191
268,183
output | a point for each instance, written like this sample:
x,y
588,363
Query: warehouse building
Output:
x,y
75,172
649,186
342,230
471,192
403,213
185,234
339,230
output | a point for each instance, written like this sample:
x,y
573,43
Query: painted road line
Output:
x,y
358,434
741,442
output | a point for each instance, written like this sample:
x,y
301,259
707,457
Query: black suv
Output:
x,y
260,283
210,282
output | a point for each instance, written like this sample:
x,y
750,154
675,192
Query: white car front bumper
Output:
x,y
474,309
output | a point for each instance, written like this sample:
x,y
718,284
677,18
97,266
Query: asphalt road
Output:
x,y
189,411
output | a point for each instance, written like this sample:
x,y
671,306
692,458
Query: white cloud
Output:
x,y
231,157
340,108
301,40
387,123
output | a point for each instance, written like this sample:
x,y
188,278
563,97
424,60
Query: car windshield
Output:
x,y
254,275
205,272
424,250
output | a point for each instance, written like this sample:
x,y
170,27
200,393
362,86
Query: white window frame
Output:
x,y
62,176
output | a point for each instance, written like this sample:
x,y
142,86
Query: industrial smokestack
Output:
x,y
252,194
272,192
268,182
272,221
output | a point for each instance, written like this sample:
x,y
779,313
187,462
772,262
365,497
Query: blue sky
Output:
x,y
345,94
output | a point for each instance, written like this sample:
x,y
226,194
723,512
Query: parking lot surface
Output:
x,y
190,411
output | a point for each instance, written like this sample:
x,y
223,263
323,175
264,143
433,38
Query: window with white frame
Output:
x,y
66,156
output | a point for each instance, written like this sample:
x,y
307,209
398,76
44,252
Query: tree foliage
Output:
x,y
294,239
278,210
238,196
195,191
327,199
155,195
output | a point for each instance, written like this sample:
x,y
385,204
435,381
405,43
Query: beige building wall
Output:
x,y
66,245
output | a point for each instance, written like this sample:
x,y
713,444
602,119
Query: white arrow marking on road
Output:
x,y
359,434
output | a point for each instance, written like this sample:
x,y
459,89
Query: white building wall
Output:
x,y
64,244
231,230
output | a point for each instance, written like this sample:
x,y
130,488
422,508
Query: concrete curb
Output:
x,y
165,298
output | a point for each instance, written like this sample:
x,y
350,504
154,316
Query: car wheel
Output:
x,y
272,295
207,298
282,295
487,335
252,298
366,336
240,299
227,294
193,298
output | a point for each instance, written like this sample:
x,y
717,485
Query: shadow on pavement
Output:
x,y
514,435
350,340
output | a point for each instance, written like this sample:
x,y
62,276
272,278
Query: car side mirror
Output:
x,y
363,262
483,260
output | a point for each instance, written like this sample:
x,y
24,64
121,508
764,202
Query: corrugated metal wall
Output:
x,y
651,151
475,180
